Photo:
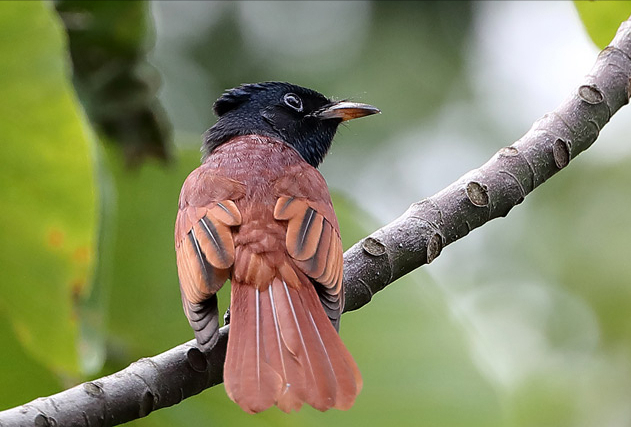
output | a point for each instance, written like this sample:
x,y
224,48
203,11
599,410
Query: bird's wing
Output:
x,y
204,247
313,241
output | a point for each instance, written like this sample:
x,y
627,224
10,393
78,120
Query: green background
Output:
x,y
525,322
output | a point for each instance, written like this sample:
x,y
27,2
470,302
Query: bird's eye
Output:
x,y
292,100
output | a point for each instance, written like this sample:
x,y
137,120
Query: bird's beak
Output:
x,y
347,111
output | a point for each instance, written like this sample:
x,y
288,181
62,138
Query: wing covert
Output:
x,y
204,246
205,252
315,245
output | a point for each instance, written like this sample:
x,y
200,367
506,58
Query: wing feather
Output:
x,y
313,241
318,262
204,246
226,212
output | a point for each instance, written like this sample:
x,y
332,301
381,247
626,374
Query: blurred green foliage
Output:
x,y
523,323
108,43
48,217
602,18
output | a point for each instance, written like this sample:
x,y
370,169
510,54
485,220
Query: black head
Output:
x,y
301,117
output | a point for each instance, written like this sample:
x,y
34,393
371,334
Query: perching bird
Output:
x,y
258,212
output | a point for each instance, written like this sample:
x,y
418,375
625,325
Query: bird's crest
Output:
x,y
233,98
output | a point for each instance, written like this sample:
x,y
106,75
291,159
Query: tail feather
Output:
x,y
283,350
281,357
248,377
301,336
348,377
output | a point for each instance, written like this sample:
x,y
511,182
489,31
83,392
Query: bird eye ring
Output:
x,y
293,101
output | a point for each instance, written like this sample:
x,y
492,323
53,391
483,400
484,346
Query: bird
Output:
x,y
259,213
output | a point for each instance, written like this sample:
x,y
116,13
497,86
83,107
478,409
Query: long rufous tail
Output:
x,y
284,351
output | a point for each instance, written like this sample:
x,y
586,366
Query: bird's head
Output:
x,y
301,117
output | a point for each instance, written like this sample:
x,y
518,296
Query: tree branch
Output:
x,y
414,239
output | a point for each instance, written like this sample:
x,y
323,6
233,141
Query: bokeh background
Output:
x,y
525,322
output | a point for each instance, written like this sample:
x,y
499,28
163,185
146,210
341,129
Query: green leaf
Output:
x,y
21,377
602,18
48,215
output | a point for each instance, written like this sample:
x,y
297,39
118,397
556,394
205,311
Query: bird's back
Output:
x,y
285,259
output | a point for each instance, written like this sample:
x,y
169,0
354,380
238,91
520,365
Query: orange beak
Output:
x,y
347,111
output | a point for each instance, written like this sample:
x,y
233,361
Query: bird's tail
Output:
x,y
284,351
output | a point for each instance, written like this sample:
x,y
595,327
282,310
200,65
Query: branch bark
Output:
x,y
412,240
